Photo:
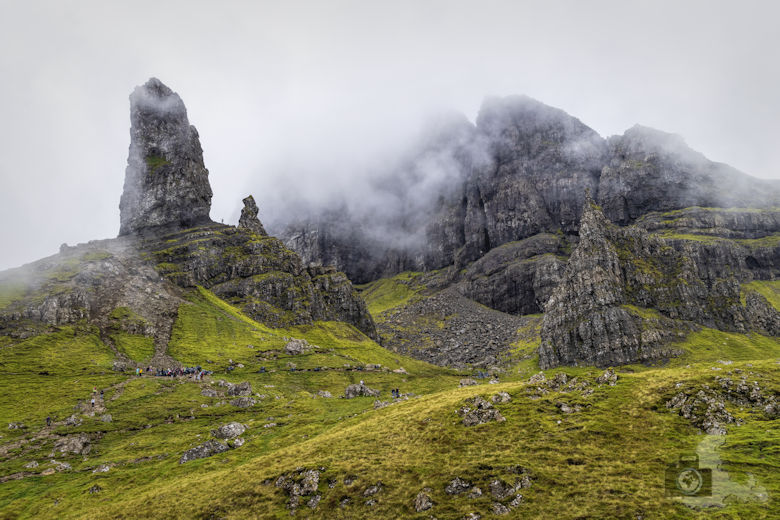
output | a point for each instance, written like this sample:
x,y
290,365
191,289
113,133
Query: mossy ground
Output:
x,y
605,461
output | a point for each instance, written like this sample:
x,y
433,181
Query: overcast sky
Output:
x,y
301,96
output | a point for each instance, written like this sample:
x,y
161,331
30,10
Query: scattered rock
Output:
x,y
478,412
499,509
106,418
95,489
241,389
269,425
706,412
400,370
325,394
75,444
566,408
457,486
537,378
370,502
243,402
357,390
372,490
467,382
17,426
60,466
472,516
103,468
73,420
607,378
475,492
501,490
207,449
423,502
208,392
296,347
236,443
501,397
299,484
47,471
31,465
516,501
229,431
314,501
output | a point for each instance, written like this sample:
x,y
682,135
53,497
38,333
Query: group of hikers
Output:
x,y
396,393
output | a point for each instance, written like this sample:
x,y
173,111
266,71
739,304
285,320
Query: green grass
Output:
x,y
154,162
768,289
388,293
606,461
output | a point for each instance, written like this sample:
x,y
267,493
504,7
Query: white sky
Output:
x,y
301,96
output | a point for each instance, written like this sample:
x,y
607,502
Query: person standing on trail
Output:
x,y
48,421
101,394
93,402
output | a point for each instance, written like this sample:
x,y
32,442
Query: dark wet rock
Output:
x,y
240,389
457,486
478,411
248,219
229,431
166,183
360,390
423,502
207,449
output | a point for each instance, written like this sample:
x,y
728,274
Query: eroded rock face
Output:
x,y
166,182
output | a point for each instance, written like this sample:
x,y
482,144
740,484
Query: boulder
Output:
x,y
296,347
501,397
73,444
423,502
229,431
207,449
467,382
360,390
240,389
243,402
478,411
457,486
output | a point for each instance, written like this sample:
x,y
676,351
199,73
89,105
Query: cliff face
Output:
x,y
601,313
522,170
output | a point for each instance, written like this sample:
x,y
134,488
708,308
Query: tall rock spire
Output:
x,y
166,183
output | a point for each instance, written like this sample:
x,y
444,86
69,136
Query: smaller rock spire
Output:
x,y
249,218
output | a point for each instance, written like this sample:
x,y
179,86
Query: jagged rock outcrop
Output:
x,y
168,245
166,182
248,219
590,318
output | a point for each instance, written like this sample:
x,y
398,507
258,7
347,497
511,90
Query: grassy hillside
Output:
x,y
606,458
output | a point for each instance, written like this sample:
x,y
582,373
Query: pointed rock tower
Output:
x,y
166,183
